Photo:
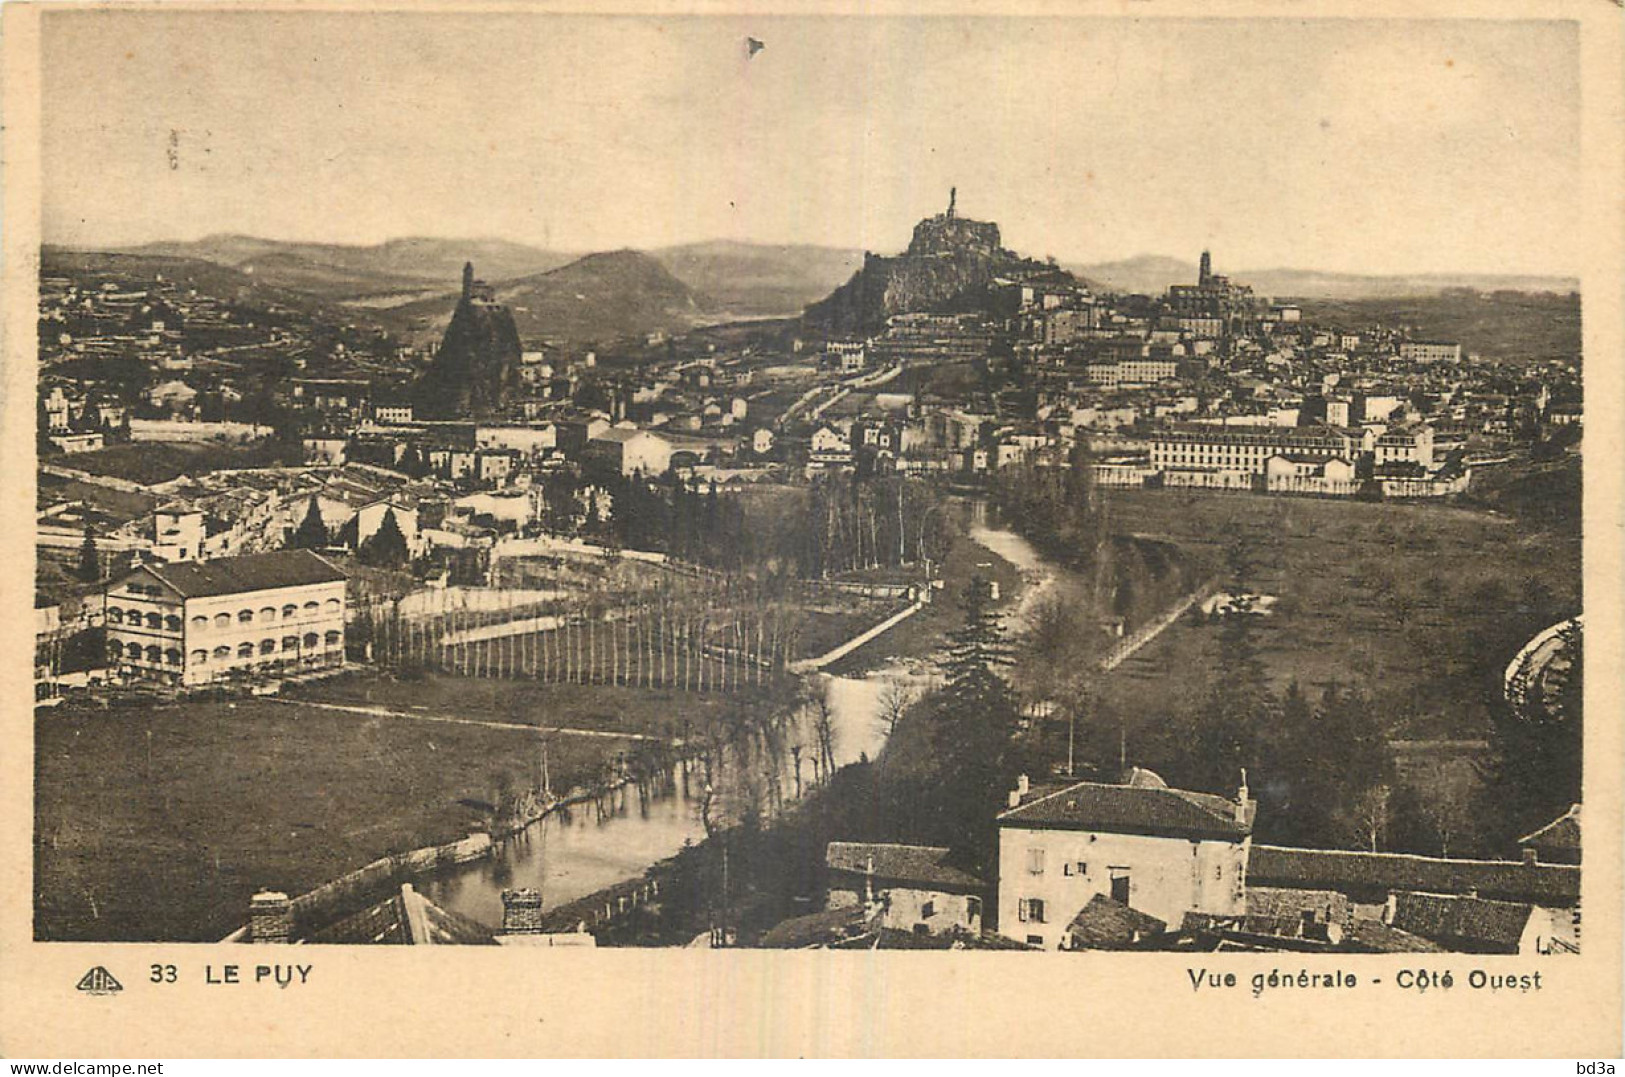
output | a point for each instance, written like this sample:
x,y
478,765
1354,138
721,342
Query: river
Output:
x,y
568,855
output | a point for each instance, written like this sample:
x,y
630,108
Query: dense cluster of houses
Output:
x,y
1206,386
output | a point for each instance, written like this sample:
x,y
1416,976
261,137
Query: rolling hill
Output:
x,y
758,279
206,277
598,297
345,272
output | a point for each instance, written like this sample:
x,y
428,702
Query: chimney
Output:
x,y
1530,856
270,917
468,280
1021,784
1241,799
522,912
1390,908
1015,798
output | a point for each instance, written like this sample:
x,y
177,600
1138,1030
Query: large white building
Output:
x,y
527,440
1406,445
631,451
198,621
847,356
1250,449
1162,852
1430,351
1132,372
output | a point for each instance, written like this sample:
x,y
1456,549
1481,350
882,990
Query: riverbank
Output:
x,y
737,884
159,824
914,641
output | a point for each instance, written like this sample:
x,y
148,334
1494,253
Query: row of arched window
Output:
x,y
169,622
267,615
135,652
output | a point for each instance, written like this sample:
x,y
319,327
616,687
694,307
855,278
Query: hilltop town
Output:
x,y
1191,568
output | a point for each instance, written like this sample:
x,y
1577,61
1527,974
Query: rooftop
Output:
x,y
406,918
901,863
1373,876
1106,923
1145,806
1473,923
253,572
619,434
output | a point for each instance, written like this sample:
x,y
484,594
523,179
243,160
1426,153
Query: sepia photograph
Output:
x,y
773,482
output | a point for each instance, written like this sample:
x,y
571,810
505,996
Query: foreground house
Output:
x,y
907,887
194,622
1107,924
1158,851
1477,925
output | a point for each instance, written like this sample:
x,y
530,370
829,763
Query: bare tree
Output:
x,y
1370,816
824,730
1447,811
892,704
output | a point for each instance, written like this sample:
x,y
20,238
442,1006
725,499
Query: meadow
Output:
x,y
1419,605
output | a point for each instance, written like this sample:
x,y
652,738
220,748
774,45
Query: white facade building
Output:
x,y
1163,852
632,451
1430,351
198,621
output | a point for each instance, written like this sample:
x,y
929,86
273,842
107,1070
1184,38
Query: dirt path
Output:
x,y
447,719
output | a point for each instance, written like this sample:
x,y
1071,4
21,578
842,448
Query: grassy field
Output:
x,y
263,794
150,462
120,504
609,708
1419,605
1503,325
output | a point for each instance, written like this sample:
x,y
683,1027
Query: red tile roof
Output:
x,y
391,923
820,928
1376,937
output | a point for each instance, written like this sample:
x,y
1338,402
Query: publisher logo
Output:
x,y
98,981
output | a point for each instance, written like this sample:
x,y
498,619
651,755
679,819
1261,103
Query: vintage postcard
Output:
x,y
812,530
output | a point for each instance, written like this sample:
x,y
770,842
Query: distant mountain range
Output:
x,y
339,271
411,285
1150,274
747,279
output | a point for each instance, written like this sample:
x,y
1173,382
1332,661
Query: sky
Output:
x,y
1359,146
